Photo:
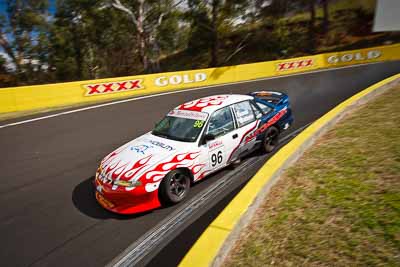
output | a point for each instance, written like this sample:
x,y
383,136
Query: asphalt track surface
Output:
x,y
49,216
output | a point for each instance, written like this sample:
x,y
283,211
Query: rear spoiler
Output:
x,y
276,98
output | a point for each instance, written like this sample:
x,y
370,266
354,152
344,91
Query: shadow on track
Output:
x,y
83,195
83,198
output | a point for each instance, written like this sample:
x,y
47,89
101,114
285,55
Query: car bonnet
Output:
x,y
148,159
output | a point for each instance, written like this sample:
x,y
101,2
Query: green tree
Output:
x,y
209,19
74,40
90,42
6,77
147,18
24,37
274,8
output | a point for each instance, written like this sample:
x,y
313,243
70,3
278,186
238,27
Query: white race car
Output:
x,y
192,141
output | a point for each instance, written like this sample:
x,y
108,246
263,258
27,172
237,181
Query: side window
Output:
x,y
264,108
221,122
256,110
244,113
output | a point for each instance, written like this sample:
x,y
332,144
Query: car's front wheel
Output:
x,y
271,139
174,187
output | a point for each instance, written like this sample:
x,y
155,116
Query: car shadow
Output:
x,y
84,199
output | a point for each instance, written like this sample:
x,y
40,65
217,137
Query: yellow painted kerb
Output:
x,y
210,242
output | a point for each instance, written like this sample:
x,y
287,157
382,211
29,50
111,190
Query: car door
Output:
x,y
221,125
247,117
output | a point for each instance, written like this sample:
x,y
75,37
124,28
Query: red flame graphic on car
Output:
x,y
178,161
119,170
153,177
197,168
202,175
138,166
200,104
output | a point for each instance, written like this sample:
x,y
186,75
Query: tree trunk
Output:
x,y
9,51
78,54
326,15
142,50
214,34
142,36
311,26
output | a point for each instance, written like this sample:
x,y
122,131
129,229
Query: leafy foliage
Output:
x,y
23,37
89,39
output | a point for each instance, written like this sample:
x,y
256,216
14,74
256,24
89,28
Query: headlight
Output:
x,y
127,183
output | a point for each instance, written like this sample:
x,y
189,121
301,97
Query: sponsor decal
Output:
x,y
265,126
200,104
159,144
213,145
123,183
113,87
141,149
127,183
349,57
187,114
180,79
102,200
292,65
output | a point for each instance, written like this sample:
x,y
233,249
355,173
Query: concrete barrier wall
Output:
x,y
26,98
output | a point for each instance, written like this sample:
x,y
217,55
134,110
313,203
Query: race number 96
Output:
x,y
198,124
216,158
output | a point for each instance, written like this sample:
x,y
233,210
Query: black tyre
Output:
x,y
271,139
174,187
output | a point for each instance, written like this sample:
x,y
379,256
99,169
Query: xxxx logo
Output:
x,y
114,87
291,65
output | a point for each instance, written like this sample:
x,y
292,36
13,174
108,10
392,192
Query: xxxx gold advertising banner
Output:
x,y
27,98
361,56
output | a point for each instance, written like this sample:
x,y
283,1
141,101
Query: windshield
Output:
x,y
180,129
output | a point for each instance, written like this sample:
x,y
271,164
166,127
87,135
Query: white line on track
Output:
x,y
173,92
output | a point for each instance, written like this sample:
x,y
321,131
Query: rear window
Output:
x,y
264,107
244,113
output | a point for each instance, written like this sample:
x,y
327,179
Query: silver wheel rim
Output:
x,y
178,185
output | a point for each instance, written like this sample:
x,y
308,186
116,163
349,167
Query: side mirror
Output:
x,y
206,138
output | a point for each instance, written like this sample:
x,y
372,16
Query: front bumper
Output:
x,y
126,202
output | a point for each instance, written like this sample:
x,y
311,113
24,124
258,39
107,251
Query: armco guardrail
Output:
x,y
27,98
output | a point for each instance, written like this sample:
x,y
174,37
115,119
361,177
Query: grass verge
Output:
x,y
340,204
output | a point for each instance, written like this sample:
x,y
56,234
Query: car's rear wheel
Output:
x,y
174,187
271,139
